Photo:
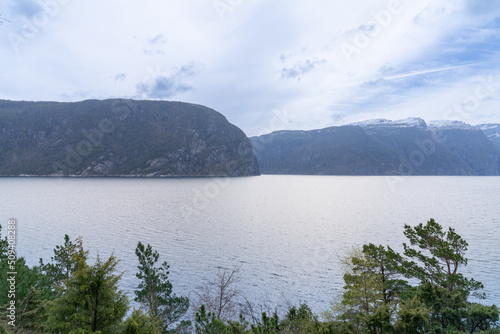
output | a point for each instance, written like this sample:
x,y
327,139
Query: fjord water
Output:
x,y
286,232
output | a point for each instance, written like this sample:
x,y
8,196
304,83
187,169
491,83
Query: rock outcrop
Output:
x,y
120,138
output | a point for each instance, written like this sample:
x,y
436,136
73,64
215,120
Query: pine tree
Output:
x,y
140,323
63,264
155,290
435,256
92,301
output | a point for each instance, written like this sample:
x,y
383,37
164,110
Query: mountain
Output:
x,y
120,138
492,131
469,144
380,147
345,150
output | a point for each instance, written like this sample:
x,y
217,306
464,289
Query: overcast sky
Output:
x,y
265,65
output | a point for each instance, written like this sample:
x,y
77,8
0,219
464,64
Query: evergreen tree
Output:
x,y
4,245
25,279
413,317
208,323
155,290
31,312
92,301
268,325
435,256
140,323
62,265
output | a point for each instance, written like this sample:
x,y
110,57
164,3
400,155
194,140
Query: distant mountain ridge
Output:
x,y
382,147
120,138
492,131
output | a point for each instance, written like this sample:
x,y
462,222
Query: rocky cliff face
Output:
x,y
470,145
380,147
492,131
120,138
344,150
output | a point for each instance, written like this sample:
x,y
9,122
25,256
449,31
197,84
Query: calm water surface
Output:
x,y
286,232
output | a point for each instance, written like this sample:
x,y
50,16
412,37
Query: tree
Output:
x,y
92,301
31,312
481,318
4,245
437,258
363,289
363,293
377,300
300,320
268,325
413,317
63,264
155,290
140,323
220,295
25,279
385,265
208,323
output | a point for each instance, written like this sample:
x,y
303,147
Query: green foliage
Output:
x,y
413,317
120,137
155,290
67,295
268,325
300,320
438,256
384,265
481,318
207,323
63,264
32,312
377,300
92,301
380,321
435,257
4,245
140,323
25,279
363,286
3,330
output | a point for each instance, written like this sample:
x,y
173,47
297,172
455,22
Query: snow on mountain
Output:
x,y
485,127
448,125
403,123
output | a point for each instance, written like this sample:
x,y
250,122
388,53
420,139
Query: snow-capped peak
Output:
x,y
403,123
446,124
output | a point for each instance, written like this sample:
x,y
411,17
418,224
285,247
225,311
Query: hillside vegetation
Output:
x,y
422,290
120,138
382,147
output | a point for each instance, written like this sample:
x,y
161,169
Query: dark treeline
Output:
x,y
70,295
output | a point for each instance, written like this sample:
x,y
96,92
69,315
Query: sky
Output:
x,y
265,65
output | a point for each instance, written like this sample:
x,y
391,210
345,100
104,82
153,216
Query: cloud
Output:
x,y
423,57
158,39
423,72
120,77
25,7
481,7
301,68
154,45
161,86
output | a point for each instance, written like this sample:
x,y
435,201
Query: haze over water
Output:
x,y
286,232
